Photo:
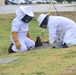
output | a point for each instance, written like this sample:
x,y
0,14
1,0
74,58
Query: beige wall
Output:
x,y
2,2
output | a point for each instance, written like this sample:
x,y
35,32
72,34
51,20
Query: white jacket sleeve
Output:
x,y
15,25
52,34
52,28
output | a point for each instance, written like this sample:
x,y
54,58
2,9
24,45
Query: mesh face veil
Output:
x,y
26,18
44,22
43,26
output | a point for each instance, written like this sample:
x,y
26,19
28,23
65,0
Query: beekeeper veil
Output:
x,y
25,13
43,20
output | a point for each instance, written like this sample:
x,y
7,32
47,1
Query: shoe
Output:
x,y
53,47
64,45
10,49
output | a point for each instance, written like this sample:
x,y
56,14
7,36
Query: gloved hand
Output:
x,y
15,37
18,45
28,35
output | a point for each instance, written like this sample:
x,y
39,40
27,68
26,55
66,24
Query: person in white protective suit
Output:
x,y
20,35
59,28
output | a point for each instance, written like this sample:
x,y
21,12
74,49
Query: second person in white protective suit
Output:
x,y
20,36
60,28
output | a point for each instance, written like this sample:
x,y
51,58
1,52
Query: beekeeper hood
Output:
x,y
25,13
42,20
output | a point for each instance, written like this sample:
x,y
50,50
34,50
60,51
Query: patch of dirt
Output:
x,y
69,71
70,15
45,45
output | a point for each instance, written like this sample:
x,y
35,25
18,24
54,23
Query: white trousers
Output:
x,y
70,36
25,44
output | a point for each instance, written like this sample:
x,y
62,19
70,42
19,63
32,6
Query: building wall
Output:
x,y
2,2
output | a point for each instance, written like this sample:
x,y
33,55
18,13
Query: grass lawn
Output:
x,y
45,61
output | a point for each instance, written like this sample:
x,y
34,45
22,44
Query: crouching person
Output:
x,y
20,35
61,30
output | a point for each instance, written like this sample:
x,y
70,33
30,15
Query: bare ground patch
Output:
x,y
69,71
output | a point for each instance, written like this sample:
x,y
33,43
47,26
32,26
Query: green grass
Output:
x,y
46,61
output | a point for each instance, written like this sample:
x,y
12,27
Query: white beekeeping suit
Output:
x,y
59,27
63,27
20,25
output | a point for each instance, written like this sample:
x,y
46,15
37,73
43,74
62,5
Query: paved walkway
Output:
x,y
39,8
7,60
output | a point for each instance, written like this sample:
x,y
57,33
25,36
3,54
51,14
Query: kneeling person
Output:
x,y
20,36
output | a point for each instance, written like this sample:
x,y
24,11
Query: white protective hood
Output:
x,y
23,10
19,13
